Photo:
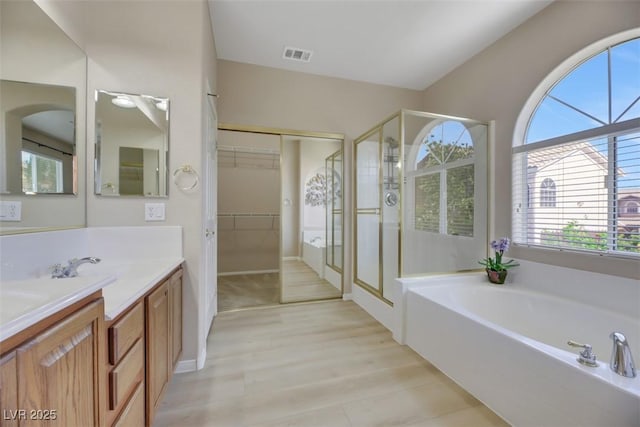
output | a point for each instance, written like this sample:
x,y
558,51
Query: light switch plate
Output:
x,y
154,212
10,211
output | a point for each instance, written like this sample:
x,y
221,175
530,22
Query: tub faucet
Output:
x,y
621,358
586,356
71,269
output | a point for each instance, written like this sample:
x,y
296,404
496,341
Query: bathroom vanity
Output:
x,y
97,349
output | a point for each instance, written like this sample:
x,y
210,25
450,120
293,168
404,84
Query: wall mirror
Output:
x,y
39,138
311,231
132,145
42,122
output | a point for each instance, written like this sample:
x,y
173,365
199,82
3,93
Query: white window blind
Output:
x,y
576,176
579,195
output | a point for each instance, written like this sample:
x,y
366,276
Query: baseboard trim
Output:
x,y
347,297
185,366
236,273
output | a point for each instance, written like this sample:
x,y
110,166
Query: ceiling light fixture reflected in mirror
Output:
x,y
123,101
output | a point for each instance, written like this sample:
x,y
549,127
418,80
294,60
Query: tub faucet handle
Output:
x,y
621,359
586,356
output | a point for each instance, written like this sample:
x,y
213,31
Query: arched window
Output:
x,y
583,137
548,193
632,207
444,180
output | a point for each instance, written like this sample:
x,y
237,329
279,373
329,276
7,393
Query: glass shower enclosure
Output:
x,y
420,198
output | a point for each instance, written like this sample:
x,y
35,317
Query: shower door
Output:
x,y
377,228
368,267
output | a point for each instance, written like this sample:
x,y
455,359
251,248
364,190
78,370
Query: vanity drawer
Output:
x,y
124,332
128,373
133,414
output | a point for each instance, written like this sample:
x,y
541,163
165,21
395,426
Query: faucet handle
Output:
x,y
586,356
56,271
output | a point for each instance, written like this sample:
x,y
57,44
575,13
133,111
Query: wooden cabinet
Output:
x,y
157,346
125,369
59,372
175,300
8,390
164,338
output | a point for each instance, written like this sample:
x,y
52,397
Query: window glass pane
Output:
x,y
587,88
625,79
41,174
447,142
427,199
460,201
553,119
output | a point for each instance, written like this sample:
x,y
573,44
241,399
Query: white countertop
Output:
x,y
133,279
26,302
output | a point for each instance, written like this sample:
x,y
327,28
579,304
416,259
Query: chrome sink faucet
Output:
x,y
71,269
621,358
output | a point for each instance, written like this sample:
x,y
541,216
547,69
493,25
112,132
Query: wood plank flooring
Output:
x,y
302,283
326,364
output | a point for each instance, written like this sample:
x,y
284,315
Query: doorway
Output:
x,y
277,229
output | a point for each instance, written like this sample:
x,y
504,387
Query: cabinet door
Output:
x,y
60,371
176,318
157,347
9,391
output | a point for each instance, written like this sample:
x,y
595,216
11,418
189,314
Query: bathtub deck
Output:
x,y
316,364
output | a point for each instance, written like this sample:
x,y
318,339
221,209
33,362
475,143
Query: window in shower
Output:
x,y
444,183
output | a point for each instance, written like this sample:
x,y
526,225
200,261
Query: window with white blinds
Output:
x,y
576,176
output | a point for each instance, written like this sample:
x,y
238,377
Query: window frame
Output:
x,y
610,131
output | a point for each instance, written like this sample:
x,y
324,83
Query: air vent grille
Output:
x,y
297,54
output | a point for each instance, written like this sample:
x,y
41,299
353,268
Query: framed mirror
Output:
x,y
42,122
132,145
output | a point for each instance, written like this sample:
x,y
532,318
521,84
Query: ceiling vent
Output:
x,y
296,54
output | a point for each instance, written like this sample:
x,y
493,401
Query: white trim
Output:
x,y
185,366
347,297
379,310
235,273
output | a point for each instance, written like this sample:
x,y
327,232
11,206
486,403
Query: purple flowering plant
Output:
x,y
496,264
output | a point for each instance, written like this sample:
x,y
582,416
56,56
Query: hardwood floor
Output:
x,y
301,283
248,290
326,364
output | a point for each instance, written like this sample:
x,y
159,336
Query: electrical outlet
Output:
x,y
154,211
10,211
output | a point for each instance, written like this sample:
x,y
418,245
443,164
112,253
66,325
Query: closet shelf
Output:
x,y
248,221
248,157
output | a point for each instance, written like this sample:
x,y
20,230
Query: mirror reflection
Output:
x,y
132,144
42,122
39,138
312,208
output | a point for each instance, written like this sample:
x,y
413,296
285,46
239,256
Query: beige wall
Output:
x,y
156,48
261,96
495,84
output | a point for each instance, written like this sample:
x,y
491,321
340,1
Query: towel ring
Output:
x,y
186,178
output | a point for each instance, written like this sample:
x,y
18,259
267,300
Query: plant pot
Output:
x,y
497,277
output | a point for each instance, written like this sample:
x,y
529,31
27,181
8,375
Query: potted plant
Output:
x,y
495,268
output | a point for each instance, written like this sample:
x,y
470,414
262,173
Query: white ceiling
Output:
x,y
401,43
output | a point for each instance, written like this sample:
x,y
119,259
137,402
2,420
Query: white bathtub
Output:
x,y
313,254
507,346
